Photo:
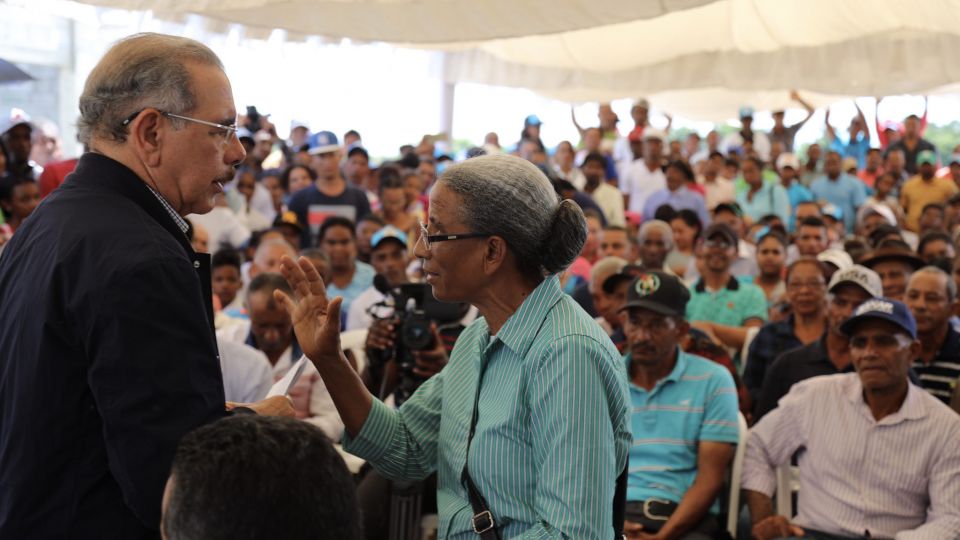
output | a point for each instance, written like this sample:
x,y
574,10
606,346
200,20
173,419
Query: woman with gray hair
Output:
x,y
528,424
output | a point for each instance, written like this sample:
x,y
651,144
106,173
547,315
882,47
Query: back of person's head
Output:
x,y
142,70
250,476
665,212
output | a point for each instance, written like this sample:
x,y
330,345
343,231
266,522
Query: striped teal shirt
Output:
x,y
553,430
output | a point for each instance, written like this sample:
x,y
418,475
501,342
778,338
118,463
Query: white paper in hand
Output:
x,y
283,386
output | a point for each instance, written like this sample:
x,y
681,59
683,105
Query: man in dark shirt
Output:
x,y
330,195
107,351
831,353
930,297
911,144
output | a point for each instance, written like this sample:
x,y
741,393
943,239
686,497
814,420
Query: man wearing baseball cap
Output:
x,y
924,188
830,354
16,132
676,396
880,458
389,256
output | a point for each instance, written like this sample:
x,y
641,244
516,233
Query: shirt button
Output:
x,y
196,264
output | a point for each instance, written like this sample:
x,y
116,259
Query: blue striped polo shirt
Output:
x,y
696,402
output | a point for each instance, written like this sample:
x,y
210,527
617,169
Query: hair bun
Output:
x,y
565,237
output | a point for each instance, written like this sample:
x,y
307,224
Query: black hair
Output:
x,y
226,257
269,282
665,212
7,186
938,206
409,161
336,221
881,232
595,156
716,154
933,236
692,220
354,133
285,177
682,167
249,476
776,235
371,218
358,150
813,221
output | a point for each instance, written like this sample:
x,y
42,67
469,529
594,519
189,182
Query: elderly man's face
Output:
x,y
197,160
653,249
651,337
928,300
881,352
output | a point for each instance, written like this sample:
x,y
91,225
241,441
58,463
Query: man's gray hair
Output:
x,y
142,70
509,197
657,225
937,271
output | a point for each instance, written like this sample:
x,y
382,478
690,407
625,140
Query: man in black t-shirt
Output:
x,y
330,195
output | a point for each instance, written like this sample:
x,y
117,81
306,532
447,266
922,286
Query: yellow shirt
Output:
x,y
917,193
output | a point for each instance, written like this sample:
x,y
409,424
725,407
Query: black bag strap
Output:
x,y
484,525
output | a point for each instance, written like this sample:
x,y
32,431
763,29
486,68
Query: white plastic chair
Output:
x,y
733,506
788,482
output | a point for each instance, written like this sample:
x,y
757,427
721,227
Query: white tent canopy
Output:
x,y
696,57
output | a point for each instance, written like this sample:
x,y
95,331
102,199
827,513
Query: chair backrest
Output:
x,y
733,506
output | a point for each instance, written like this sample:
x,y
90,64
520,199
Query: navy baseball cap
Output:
x,y
883,309
659,292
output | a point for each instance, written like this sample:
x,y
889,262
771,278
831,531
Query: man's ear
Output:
x,y
147,136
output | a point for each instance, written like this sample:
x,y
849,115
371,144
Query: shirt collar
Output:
x,y
181,223
913,407
732,285
520,329
674,376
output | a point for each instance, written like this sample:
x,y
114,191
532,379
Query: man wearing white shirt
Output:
x,y
878,456
270,330
247,374
646,176
389,257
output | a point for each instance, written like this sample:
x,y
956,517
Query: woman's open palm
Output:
x,y
316,321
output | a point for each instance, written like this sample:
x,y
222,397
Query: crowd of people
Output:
x,y
814,294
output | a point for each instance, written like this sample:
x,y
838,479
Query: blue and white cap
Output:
x,y
884,309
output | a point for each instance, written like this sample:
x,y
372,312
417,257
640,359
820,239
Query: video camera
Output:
x,y
416,309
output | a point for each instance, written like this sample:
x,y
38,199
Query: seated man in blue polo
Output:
x,y
717,296
684,420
